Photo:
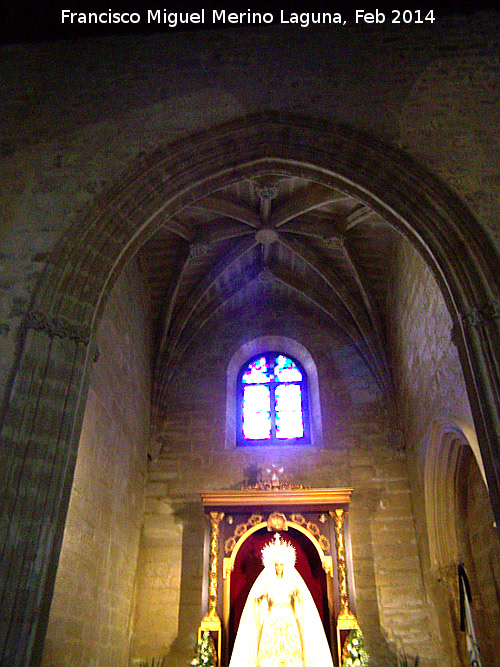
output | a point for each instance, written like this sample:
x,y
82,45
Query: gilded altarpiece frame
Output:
x,y
319,515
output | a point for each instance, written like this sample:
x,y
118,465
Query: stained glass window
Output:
x,y
273,401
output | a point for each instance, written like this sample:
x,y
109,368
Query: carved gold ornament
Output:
x,y
215,519
240,530
338,518
276,521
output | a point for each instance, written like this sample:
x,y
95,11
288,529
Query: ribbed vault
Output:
x,y
316,247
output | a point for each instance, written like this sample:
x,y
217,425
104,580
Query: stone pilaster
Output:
x,y
39,441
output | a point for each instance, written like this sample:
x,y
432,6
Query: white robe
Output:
x,y
280,625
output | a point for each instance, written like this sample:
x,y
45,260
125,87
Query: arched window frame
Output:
x,y
291,348
273,384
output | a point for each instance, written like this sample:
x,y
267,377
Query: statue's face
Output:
x,y
279,570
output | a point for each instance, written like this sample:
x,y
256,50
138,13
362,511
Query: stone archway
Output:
x,y
455,489
43,419
446,443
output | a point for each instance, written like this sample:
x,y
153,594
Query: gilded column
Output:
x,y
215,519
345,612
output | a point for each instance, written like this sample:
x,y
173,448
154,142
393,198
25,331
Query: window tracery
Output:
x,y
272,401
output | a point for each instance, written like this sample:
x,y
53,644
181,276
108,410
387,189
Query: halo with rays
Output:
x,y
278,551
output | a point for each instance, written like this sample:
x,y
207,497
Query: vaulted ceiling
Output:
x,y
320,248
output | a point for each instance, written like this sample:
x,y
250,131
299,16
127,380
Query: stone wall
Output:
x,y
432,400
91,614
426,365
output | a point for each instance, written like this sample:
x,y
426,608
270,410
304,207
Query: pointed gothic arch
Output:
x,y
57,341
452,454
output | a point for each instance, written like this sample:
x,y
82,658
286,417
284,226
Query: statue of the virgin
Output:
x,y
280,625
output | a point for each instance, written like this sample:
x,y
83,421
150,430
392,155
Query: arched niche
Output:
x,y
57,349
244,567
445,450
460,530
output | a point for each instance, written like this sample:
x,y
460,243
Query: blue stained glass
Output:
x,y
285,370
257,372
256,412
288,406
272,401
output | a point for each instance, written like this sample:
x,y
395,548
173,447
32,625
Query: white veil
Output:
x,y
316,649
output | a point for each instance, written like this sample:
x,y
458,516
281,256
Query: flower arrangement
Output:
x,y
205,655
153,663
354,653
404,661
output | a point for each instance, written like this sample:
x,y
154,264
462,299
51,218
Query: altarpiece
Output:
x,y
240,523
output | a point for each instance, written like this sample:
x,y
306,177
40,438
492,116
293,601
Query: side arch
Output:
x,y
452,454
41,424
446,442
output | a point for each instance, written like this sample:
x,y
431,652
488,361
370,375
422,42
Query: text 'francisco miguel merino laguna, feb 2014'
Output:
x,y
222,16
